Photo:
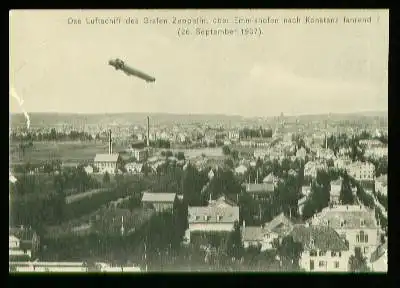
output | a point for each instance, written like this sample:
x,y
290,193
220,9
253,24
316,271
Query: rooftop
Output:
x,y
158,197
280,224
318,237
227,214
349,216
106,158
259,187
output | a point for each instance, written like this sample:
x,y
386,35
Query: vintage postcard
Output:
x,y
198,140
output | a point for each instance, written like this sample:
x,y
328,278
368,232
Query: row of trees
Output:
x,y
53,135
255,133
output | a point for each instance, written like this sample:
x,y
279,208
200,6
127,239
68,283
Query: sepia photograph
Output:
x,y
198,141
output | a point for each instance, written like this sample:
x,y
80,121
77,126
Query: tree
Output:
x,y
228,163
234,245
235,155
346,194
106,178
226,150
290,250
357,262
180,156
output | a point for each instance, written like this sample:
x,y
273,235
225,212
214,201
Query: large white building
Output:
x,y
361,170
357,224
107,163
311,168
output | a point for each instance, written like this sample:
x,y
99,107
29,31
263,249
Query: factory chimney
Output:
x,y
109,142
148,131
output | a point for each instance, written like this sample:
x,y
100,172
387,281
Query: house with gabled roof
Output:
x,y
106,163
23,242
218,216
159,201
323,249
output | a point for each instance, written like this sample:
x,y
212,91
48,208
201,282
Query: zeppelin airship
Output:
x,y
118,64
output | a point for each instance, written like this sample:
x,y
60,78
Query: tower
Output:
x,y
148,131
109,142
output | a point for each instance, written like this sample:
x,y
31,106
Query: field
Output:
x,y
193,153
67,152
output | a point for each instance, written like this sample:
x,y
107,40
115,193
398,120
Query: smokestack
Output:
x,y
148,131
109,142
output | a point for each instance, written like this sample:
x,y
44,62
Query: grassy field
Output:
x,y
65,151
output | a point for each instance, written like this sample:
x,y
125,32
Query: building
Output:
x,y
301,153
258,237
311,168
134,168
361,171
381,185
271,179
306,190
88,169
241,169
370,143
139,154
378,262
323,249
23,243
342,163
218,216
376,152
107,163
159,201
260,191
336,187
357,224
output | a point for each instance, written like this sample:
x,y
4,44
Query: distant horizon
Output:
x,y
202,114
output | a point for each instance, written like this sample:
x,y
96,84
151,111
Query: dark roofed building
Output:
x,y
260,191
323,249
159,201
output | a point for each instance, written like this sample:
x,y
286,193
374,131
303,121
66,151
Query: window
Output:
x,y
357,238
362,222
313,253
340,254
365,250
206,218
321,264
336,264
311,265
197,217
333,254
341,223
366,238
322,253
312,242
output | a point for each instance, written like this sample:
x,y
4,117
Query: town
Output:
x,y
192,193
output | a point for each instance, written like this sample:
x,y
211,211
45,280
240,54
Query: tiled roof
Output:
x,y
259,187
280,224
325,238
158,197
379,252
254,233
228,214
350,216
106,158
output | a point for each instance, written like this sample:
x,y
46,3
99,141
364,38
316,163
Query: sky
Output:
x,y
292,68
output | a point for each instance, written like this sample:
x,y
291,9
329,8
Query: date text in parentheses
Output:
x,y
251,31
183,32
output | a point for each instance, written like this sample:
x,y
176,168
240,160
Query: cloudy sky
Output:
x,y
292,68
